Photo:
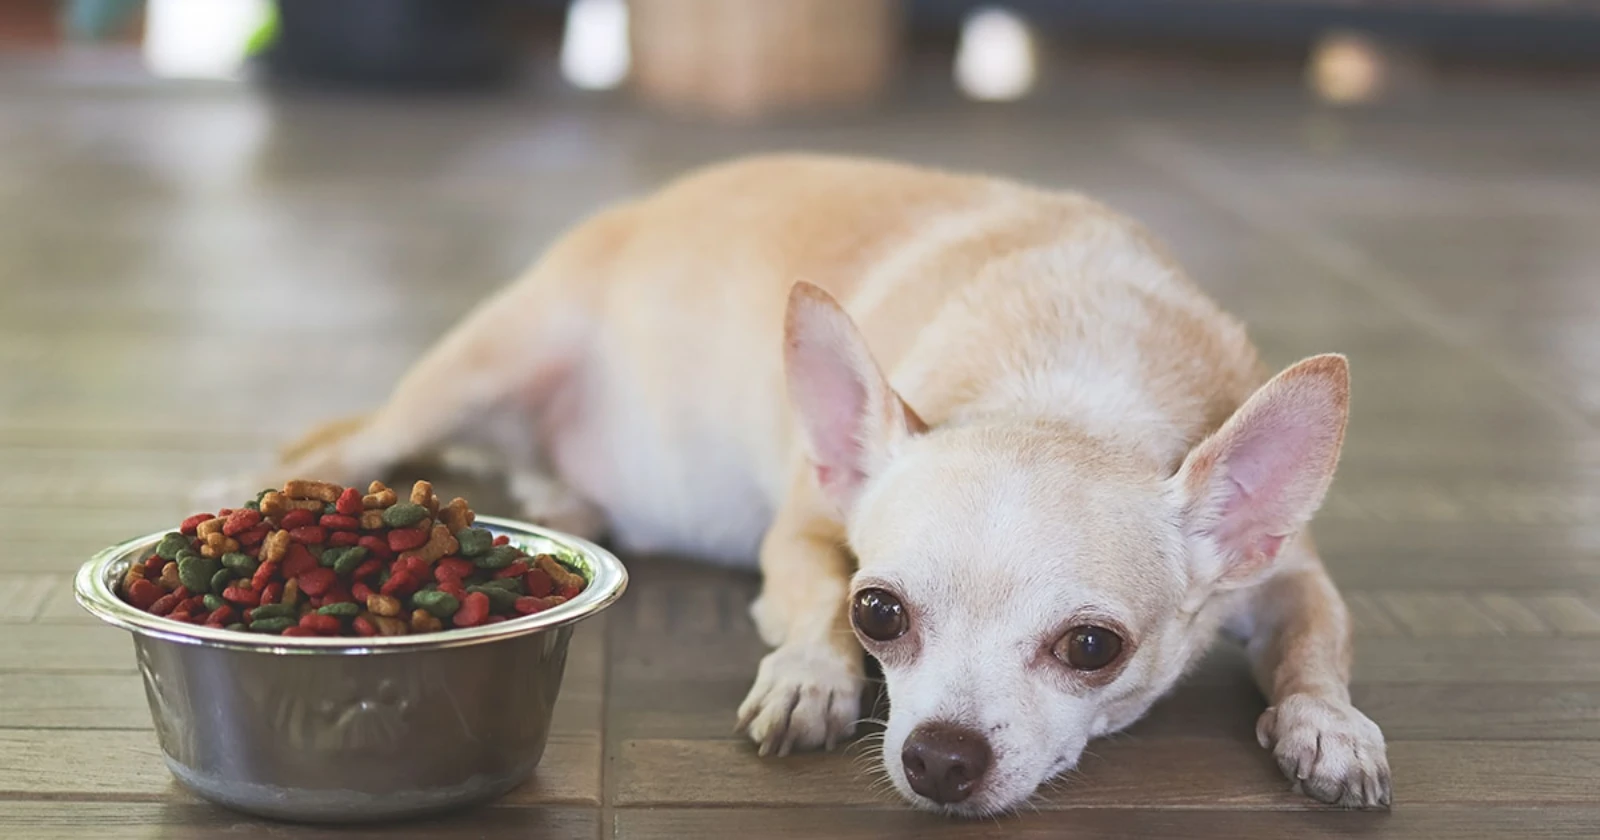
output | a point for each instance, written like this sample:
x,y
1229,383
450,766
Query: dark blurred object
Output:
x,y
1517,31
397,43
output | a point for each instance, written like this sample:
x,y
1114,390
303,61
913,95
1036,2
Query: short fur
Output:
x,y
1006,406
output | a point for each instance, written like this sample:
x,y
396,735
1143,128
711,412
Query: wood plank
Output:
x,y
36,820
44,648
1480,823
23,596
78,701
1207,773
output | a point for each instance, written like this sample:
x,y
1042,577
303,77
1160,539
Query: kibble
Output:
x,y
316,559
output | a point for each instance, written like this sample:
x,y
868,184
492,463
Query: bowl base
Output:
x,y
300,805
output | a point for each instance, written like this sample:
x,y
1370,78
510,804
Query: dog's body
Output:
x,y
1070,461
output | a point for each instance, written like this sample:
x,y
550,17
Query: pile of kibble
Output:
x,y
317,559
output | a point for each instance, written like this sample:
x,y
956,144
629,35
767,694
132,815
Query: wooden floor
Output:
x,y
187,276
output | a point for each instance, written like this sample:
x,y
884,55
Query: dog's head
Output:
x,y
1026,590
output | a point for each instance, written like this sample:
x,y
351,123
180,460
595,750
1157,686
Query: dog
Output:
x,y
988,434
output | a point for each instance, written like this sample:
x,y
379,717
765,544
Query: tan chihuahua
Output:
x,y
990,434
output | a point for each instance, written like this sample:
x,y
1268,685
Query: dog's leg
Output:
x,y
1299,644
807,693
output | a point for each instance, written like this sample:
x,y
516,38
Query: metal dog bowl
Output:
x,y
352,730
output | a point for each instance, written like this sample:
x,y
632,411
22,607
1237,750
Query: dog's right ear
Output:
x,y
851,420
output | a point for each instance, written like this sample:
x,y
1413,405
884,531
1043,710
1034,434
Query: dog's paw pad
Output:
x,y
803,698
1330,750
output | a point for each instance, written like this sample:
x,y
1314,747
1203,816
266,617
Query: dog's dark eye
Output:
x,y
879,615
1088,648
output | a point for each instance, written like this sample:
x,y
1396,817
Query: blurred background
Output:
x,y
224,220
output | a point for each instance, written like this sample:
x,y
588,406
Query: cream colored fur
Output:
x,y
1006,405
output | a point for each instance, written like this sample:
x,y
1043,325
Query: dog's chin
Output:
x,y
983,804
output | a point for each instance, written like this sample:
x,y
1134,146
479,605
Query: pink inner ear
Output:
x,y
1273,475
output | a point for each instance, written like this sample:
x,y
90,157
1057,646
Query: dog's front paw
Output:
x,y
1332,751
805,696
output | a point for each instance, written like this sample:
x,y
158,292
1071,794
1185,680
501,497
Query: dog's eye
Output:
x,y
879,615
1088,648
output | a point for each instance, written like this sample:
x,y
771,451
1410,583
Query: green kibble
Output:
x,y
404,515
271,625
498,557
170,545
510,584
236,627
195,573
440,604
474,541
272,611
349,559
329,507
186,552
500,600
213,602
220,581
242,564
344,609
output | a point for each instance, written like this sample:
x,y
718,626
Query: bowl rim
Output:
x,y
608,579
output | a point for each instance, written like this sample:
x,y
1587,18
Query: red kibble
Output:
x,y
316,581
367,569
152,566
315,602
338,594
405,539
474,609
528,605
220,615
412,565
309,535
239,595
143,593
360,592
181,615
454,587
253,551
515,569
458,568
537,582
225,513
376,546
192,524
298,561
496,619
299,631
165,604
263,576
240,521
272,594
254,536
399,584
343,538
363,626
339,522
349,503
326,625
194,604
569,591
502,540
297,518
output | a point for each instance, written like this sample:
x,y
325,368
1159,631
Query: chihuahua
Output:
x,y
989,434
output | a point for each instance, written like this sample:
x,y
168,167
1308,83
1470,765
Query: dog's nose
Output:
x,y
943,762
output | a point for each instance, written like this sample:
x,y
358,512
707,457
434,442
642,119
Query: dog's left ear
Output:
x,y
850,419
1253,485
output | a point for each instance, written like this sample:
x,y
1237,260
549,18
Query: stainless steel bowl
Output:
x,y
353,730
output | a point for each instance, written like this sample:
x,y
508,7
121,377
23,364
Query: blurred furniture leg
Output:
x,y
739,59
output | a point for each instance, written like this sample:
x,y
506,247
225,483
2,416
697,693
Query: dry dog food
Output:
x,y
316,559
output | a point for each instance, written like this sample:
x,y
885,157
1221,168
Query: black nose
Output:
x,y
944,762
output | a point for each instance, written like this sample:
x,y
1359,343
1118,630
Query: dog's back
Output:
x,y
977,295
